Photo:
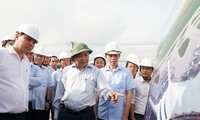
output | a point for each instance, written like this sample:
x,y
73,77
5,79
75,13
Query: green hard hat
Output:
x,y
79,48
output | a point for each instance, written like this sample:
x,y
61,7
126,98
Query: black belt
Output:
x,y
139,115
64,108
12,114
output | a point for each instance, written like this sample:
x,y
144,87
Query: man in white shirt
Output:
x,y
142,91
15,70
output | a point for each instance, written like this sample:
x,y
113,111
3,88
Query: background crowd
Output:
x,y
35,85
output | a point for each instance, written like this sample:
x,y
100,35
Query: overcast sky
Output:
x,y
135,24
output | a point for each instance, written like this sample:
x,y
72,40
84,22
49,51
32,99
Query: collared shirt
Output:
x,y
14,74
76,89
120,80
34,80
40,91
141,95
51,69
55,77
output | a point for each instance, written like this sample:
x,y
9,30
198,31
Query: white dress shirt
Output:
x,y
141,95
14,75
76,89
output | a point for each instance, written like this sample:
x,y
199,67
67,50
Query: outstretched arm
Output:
x,y
114,96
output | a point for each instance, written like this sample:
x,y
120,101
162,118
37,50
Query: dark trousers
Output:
x,y
13,116
39,115
138,116
47,114
86,114
30,111
52,112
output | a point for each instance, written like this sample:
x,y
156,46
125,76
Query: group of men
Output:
x,y
29,87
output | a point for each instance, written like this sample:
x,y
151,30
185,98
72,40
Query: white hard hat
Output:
x,y
99,55
91,62
64,54
133,58
112,48
29,29
40,50
48,54
9,37
147,62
